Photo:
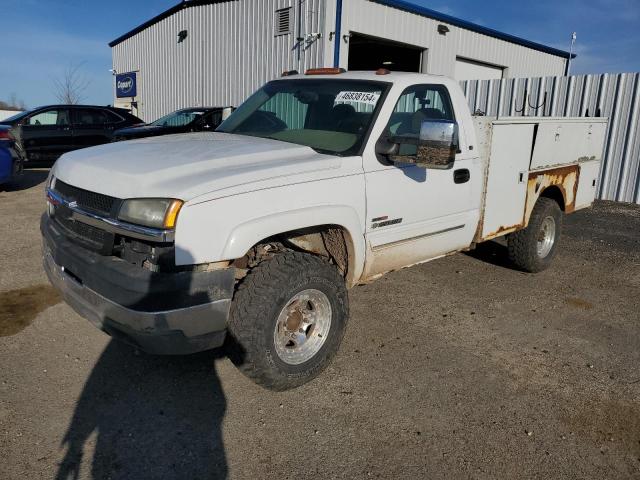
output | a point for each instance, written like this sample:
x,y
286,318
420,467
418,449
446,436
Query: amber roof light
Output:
x,y
324,71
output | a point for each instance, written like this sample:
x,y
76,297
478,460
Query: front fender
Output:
x,y
247,234
226,228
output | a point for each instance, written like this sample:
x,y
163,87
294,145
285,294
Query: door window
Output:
x,y
90,116
417,104
212,119
112,117
49,117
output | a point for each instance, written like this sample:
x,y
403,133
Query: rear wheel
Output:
x,y
287,320
533,248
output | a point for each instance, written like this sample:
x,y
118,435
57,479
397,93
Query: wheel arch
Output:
x,y
308,229
559,184
554,193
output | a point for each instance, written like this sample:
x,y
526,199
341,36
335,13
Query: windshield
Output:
x,y
178,119
331,116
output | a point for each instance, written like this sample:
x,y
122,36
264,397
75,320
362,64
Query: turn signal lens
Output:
x,y
172,214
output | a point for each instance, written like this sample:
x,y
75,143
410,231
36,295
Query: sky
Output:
x,y
43,38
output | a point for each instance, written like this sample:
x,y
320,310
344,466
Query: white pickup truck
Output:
x,y
251,235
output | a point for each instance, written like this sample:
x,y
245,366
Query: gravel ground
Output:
x,y
460,368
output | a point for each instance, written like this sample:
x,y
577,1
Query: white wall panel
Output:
x,y
8,113
231,49
370,18
468,70
229,52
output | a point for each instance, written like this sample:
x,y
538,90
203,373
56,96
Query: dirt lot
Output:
x,y
461,368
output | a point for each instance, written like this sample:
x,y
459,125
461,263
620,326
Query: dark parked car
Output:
x,y
45,133
10,162
180,121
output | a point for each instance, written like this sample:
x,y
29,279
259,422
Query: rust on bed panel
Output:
x,y
564,178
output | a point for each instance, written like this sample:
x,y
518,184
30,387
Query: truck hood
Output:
x,y
187,166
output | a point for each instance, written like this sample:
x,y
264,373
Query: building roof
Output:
x,y
399,4
427,12
160,17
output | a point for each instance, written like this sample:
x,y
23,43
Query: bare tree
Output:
x,y
12,104
70,88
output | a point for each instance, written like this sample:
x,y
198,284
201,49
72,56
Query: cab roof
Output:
x,y
402,78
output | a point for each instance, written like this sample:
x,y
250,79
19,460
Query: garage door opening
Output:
x,y
371,53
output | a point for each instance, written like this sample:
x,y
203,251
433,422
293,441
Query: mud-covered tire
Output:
x,y
532,249
258,304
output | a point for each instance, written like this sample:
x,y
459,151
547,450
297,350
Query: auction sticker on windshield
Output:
x,y
369,98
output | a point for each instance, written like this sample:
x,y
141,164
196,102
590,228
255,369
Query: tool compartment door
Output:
x,y
587,183
507,175
565,141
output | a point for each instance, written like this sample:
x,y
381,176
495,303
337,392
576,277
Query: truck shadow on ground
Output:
x,y
492,252
153,417
28,179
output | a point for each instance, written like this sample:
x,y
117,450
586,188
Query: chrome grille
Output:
x,y
96,202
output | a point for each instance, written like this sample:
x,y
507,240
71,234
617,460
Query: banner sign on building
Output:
x,y
126,85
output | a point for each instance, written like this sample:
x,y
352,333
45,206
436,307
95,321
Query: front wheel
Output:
x,y
287,320
533,248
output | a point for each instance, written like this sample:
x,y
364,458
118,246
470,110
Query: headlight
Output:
x,y
151,212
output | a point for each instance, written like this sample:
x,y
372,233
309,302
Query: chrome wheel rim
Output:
x,y
546,236
302,327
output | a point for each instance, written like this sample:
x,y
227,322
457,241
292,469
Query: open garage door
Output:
x,y
371,53
471,70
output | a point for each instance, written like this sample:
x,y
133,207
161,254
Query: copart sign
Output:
x,y
126,85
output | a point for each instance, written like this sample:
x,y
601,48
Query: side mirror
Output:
x,y
386,147
435,147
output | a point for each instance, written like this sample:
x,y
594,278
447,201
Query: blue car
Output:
x,y
10,161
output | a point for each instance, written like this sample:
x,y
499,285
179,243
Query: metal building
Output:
x,y
216,52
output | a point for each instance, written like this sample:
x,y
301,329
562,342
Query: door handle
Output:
x,y
461,175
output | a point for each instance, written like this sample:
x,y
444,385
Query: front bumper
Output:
x,y
161,313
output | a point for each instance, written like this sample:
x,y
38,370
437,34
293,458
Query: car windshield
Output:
x,y
179,118
330,116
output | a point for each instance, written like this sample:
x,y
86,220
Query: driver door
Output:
x,y
413,213
47,134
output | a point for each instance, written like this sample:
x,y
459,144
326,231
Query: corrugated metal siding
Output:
x,y
365,17
229,52
616,96
231,49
